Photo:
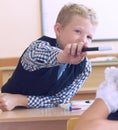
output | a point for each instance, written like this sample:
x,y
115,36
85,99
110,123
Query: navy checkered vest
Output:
x,y
44,81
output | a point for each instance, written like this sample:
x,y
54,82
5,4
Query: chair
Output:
x,y
71,123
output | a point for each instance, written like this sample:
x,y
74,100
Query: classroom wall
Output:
x,y
20,24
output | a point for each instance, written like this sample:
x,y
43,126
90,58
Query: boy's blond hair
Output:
x,y
68,11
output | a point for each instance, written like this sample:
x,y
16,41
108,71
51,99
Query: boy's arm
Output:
x,y
10,101
39,55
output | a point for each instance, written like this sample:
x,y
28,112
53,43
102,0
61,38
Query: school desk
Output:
x,y
37,119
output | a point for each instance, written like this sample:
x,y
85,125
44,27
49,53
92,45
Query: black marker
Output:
x,y
97,49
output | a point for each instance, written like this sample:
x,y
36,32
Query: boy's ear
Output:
x,y
57,28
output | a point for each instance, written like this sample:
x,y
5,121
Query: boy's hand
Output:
x,y
72,54
10,101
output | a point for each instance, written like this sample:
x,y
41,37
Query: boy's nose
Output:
x,y
83,39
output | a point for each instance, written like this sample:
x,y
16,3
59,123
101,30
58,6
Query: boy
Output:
x,y
51,71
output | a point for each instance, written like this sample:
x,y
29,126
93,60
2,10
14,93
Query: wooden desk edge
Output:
x,y
87,90
34,115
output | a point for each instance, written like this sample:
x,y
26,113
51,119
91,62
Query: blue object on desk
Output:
x,y
70,107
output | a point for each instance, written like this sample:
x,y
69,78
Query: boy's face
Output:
x,y
78,30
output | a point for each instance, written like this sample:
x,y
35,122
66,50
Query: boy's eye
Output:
x,y
78,31
89,37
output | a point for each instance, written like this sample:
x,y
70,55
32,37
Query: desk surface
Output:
x,y
41,114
